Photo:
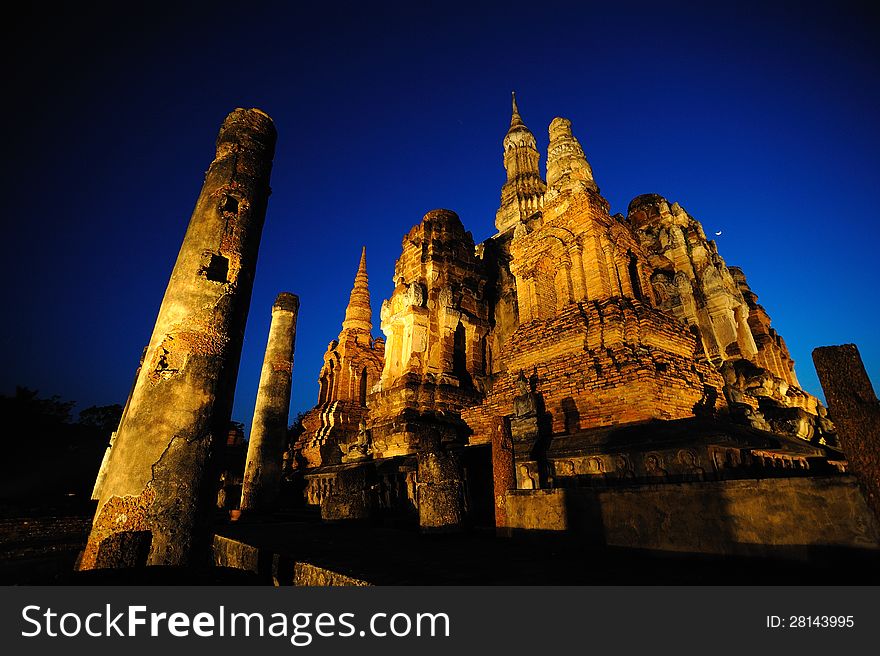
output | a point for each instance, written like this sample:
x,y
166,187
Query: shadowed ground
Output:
x,y
401,556
42,550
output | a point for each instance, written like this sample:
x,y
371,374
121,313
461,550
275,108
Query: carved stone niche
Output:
x,y
525,403
361,449
415,295
654,466
527,476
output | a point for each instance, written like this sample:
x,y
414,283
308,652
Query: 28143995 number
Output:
x,y
810,621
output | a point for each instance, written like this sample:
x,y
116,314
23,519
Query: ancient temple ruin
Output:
x,y
575,350
577,372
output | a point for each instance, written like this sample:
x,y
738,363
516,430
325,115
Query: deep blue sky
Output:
x,y
761,122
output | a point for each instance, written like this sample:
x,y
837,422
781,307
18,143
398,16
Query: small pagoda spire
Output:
x,y
358,314
362,265
515,119
523,193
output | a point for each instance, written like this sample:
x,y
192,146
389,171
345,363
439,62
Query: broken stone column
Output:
x,y
159,476
855,410
441,494
503,471
262,473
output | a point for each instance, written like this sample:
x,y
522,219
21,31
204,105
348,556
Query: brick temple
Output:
x,y
605,353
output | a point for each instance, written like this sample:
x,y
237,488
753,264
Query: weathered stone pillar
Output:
x,y
158,482
441,493
354,495
855,411
503,471
262,473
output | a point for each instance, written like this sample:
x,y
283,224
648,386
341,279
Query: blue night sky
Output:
x,y
760,121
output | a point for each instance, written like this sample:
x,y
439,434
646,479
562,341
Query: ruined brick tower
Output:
x,y
435,323
352,366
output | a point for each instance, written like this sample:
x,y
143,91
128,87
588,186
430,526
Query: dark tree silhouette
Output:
x,y
26,409
105,418
49,457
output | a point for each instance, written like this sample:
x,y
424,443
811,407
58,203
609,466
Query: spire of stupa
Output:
x,y
567,166
523,193
358,315
516,119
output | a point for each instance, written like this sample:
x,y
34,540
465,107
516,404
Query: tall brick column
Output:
x,y
503,471
855,411
153,502
262,472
